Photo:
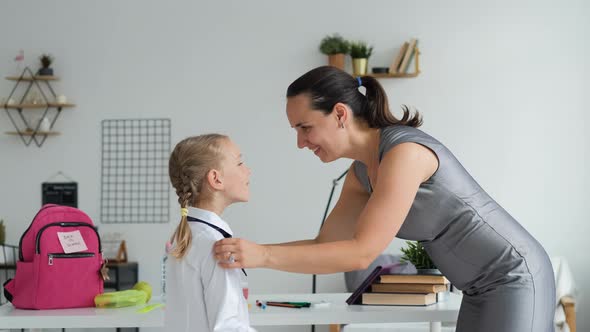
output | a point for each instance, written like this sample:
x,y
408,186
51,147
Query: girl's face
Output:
x,y
236,175
315,130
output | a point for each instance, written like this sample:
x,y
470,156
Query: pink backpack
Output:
x,y
48,278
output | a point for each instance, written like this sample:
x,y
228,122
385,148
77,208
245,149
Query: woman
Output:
x,y
407,184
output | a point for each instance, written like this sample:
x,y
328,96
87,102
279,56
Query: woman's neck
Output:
x,y
364,142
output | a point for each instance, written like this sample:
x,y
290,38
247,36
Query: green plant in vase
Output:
x,y
46,61
336,48
360,53
416,254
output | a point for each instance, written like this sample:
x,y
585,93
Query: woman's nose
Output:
x,y
300,141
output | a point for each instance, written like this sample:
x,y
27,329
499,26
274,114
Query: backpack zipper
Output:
x,y
65,224
20,242
72,255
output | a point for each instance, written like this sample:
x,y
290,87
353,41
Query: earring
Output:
x,y
341,125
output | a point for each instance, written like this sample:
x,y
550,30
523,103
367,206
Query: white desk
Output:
x,y
337,313
340,313
11,318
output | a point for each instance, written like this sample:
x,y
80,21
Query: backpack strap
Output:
x,y
8,288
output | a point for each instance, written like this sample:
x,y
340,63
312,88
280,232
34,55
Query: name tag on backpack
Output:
x,y
72,241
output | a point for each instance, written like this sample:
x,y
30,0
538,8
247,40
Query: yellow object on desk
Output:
x,y
140,294
146,287
150,307
120,299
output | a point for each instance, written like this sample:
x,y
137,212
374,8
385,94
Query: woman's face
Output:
x,y
236,174
315,130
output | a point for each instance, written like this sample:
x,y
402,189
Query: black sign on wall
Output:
x,y
63,193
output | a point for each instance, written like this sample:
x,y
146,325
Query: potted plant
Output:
x,y
416,254
360,53
336,48
46,60
2,232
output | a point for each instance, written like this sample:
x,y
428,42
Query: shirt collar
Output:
x,y
210,217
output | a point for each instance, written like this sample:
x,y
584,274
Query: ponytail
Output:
x,y
182,237
328,85
377,113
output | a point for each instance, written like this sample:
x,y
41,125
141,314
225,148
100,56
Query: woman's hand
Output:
x,y
239,253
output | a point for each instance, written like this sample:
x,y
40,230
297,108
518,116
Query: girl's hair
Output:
x,y
328,85
189,163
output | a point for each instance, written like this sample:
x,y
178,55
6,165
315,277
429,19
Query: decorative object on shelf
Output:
x,y
410,53
46,60
2,232
360,53
336,48
45,124
19,59
401,62
34,97
61,99
380,70
416,254
114,247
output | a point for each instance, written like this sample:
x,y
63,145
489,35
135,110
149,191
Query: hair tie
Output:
x,y
184,212
360,81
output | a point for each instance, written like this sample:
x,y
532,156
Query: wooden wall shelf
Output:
x,y
33,106
33,78
31,133
33,129
397,75
416,55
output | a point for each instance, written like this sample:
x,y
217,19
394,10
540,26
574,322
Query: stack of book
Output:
x,y
407,289
401,62
384,287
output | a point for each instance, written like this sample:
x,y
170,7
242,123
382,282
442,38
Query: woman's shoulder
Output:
x,y
400,131
397,134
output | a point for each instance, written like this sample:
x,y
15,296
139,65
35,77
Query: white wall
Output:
x,y
503,84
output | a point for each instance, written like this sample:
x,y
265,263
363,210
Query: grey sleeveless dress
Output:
x,y
504,273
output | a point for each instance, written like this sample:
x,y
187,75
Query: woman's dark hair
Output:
x,y
328,85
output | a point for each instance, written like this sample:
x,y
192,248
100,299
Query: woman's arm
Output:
x,y
294,243
400,173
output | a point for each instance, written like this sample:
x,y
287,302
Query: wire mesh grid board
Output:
x,y
134,178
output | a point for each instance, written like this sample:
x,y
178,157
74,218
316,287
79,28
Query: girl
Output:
x,y
208,174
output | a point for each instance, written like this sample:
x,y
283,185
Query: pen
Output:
x,y
286,305
299,304
283,304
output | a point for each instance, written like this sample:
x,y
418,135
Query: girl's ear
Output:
x,y
215,179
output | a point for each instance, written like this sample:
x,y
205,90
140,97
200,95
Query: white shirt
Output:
x,y
201,295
